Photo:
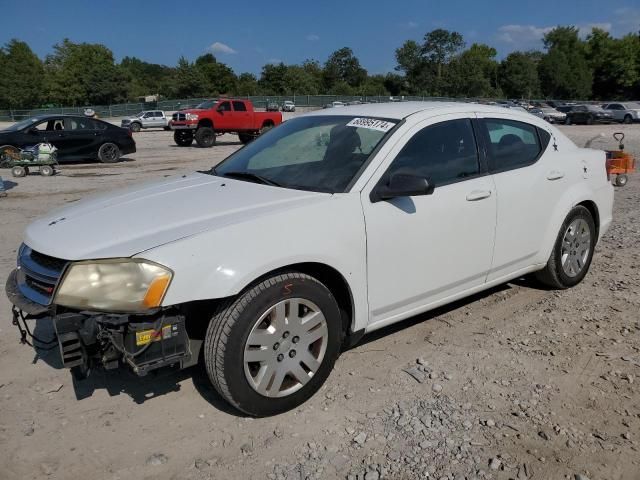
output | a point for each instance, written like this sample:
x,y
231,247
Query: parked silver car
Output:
x,y
625,112
148,119
288,106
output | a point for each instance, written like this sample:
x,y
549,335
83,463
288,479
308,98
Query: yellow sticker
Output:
x,y
145,336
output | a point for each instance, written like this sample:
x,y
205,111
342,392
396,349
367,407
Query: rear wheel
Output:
x,y
567,120
135,127
266,127
108,153
589,120
183,138
272,347
621,180
572,252
47,170
627,119
19,171
245,138
205,137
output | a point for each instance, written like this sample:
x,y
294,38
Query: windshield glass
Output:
x,y
138,115
207,104
317,153
21,125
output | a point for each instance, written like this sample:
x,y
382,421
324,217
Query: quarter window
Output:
x,y
443,153
510,144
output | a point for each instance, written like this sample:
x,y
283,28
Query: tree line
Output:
x,y
597,67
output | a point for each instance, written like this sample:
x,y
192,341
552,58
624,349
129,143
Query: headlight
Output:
x,y
121,285
191,116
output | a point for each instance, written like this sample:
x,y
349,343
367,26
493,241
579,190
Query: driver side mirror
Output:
x,y
220,110
402,185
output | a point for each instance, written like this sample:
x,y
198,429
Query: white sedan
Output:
x,y
328,227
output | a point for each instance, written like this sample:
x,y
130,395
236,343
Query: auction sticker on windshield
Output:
x,y
371,124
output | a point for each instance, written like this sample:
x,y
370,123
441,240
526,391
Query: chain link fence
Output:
x,y
259,101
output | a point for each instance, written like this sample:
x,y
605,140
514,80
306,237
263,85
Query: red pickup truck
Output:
x,y
215,117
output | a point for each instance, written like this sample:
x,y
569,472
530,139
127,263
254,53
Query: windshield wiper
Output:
x,y
251,176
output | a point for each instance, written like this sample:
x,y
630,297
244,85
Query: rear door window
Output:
x,y
510,144
239,107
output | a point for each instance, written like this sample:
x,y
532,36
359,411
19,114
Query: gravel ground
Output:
x,y
515,383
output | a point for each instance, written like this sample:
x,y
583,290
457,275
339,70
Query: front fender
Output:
x,y
220,263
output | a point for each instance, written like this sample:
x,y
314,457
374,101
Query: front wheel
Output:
x,y
19,171
572,252
47,171
205,137
589,120
567,121
108,153
183,138
272,347
135,127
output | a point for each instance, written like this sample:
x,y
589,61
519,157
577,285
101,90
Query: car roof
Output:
x,y
402,110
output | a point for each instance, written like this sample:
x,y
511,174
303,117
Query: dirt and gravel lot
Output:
x,y
516,383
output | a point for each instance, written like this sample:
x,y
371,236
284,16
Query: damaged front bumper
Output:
x,y
143,342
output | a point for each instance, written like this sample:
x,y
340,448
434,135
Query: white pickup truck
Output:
x,y
148,119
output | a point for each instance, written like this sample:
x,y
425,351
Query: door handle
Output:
x,y
478,195
555,175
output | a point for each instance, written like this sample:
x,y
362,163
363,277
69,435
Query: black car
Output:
x,y
75,137
588,114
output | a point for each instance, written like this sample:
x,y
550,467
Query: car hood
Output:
x,y
125,223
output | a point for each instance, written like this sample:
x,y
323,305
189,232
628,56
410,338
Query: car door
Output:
x,y
425,249
83,139
158,120
529,178
242,118
224,116
51,130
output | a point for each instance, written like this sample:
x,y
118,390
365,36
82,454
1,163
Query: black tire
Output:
x,y
109,153
567,120
167,129
245,138
266,127
205,137
135,127
628,119
553,274
589,120
231,325
621,180
18,171
47,171
183,138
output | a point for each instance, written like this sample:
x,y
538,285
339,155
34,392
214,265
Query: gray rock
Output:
x,y
372,475
157,459
580,477
495,464
437,388
418,376
360,438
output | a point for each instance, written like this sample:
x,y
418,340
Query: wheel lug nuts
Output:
x,y
276,346
295,339
292,353
285,334
280,357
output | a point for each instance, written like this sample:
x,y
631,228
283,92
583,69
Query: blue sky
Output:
x,y
246,37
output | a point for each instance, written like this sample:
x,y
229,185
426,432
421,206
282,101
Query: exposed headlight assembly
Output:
x,y
115,285
191,116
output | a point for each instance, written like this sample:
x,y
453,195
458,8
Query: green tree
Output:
x,y
564,70
439,47
412,63
188,80
247,84
84,73
273,79
518,75
218,78
343,66
473,73
22,79
145,78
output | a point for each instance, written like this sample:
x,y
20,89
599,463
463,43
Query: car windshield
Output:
x,y
21,125
316,153
139,115
207,105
